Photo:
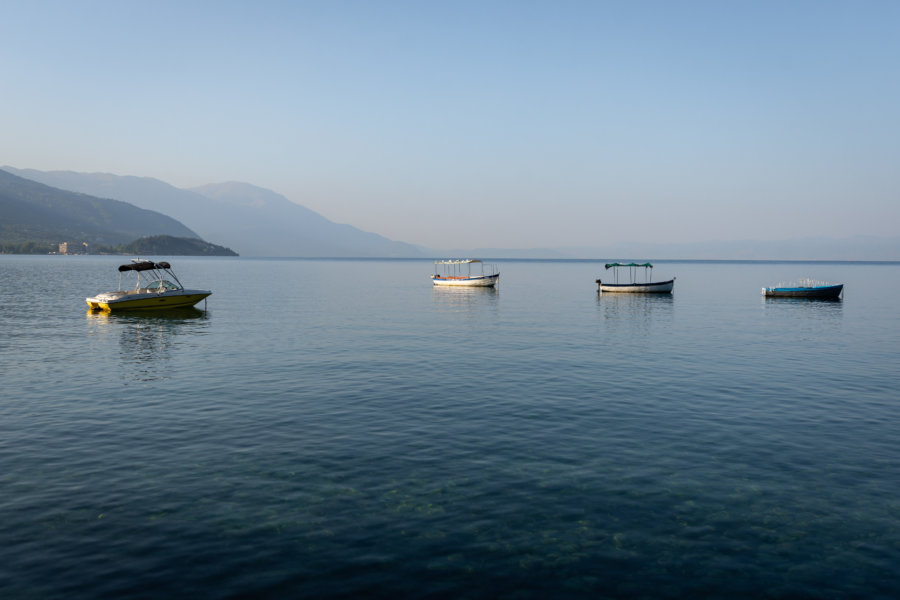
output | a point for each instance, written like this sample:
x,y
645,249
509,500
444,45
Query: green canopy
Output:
x,y
609,265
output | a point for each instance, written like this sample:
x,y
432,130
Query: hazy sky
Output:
x,y
459,124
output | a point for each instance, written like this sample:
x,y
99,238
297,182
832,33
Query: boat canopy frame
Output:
x,y
457,261
632,267
158,271
454,268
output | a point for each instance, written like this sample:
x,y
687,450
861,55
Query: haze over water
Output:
x,y
344,429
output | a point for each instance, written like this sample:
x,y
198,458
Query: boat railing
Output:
x,y
462,268
803,283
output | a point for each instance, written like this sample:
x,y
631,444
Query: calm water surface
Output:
x,y
344,429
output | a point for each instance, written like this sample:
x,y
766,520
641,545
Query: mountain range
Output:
x,y
33,212
251,220
258,222
852,248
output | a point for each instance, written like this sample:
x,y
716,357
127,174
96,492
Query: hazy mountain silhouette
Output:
x,y
251,220
33,211
275,223
257,222
856,248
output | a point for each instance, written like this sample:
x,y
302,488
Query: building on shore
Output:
x,y
74,248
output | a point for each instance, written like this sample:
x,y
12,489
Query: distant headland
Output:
x,y
159,245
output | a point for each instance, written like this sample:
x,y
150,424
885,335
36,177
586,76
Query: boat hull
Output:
x,y
149,301
653,287
475,281
818,292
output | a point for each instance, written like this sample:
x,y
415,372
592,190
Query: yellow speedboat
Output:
x,y
159,288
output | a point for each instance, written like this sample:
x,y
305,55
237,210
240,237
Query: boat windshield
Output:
x,y
162,285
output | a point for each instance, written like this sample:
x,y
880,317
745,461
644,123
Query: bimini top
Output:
x,y
610,265
462,261
144,265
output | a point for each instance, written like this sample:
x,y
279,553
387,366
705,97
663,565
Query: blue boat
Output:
x,y
806,289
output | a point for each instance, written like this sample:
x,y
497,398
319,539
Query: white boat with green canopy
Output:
x,y
634,286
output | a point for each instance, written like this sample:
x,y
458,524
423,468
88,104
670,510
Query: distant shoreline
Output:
x,y
500,259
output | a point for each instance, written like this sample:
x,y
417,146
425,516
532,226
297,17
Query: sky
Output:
x,y
499,124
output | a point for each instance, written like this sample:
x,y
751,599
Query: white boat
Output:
x,y
157,288
635,287
459,272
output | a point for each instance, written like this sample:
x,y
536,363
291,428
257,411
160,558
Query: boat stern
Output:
x,y
97,302
102,301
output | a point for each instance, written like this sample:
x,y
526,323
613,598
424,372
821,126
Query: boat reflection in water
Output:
x,y
184,314
627,314
454,298
803,318
148,340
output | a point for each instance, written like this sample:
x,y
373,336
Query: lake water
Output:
x,y
342,429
